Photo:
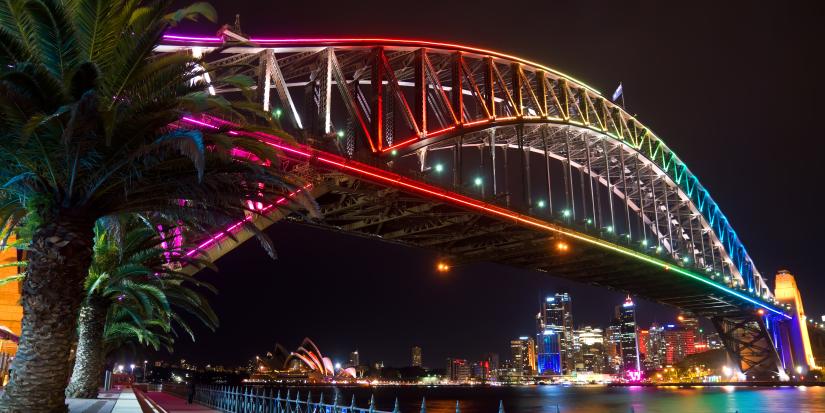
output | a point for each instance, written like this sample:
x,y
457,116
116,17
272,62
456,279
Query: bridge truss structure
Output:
x,y
484,156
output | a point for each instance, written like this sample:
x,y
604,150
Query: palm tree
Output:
x,y
87,130
133,293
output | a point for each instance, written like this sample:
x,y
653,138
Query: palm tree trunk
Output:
x,y
59,259
89,358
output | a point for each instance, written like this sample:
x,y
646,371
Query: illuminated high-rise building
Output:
x,y
679,343
613,346
629,344
480,370
492,360
548,353
458,370
417,357
589,349
554,335
654,347
644,337
524,355
354,359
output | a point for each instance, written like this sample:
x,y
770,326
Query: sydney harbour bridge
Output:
x,y
483,156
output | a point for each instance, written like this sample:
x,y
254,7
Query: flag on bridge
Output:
x,y
618,93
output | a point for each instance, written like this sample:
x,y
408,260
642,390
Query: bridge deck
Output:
x,y
463,235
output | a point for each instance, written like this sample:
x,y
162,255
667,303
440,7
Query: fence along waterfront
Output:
x,y
244,399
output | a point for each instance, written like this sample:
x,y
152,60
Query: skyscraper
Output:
x,y
458,370
524,355
492,359
589,349
417,357
480,370
654,347
626,314
613,346
354,359
548,352
554,335
679,343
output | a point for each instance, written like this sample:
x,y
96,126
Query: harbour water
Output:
x,y
596,399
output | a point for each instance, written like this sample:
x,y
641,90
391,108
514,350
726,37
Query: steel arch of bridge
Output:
x,y
398,96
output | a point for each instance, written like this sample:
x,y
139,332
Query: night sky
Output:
x,y
734,90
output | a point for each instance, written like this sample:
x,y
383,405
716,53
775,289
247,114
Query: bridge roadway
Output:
x,y
435,173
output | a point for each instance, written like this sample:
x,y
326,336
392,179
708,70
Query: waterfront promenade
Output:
x,y
127,401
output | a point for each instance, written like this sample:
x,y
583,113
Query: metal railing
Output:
x,y
236,399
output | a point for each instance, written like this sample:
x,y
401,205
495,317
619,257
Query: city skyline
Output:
x,y
637,348
511,315
623,349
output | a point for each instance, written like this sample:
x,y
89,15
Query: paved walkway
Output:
x,y
172,404
126,401
105,403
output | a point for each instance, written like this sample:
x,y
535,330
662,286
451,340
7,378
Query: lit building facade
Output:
x,y
524,355
613,347
652,346
548,353
417,357
554,335
458,370
679,343
589,350
493,360
354,359
480,371
629,344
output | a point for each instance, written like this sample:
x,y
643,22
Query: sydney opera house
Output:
x,y
304,365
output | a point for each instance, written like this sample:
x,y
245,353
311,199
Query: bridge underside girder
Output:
x,y
462,236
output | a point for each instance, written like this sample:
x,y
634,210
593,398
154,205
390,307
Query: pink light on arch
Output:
x,y
261,208
263,41
200,39
217,237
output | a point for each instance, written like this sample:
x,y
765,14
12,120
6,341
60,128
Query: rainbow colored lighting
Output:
x,y
627,130
376,40
389,178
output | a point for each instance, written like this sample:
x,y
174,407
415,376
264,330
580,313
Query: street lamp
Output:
x,y
442,267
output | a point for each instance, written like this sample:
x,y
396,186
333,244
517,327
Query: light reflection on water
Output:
x,y
591,399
